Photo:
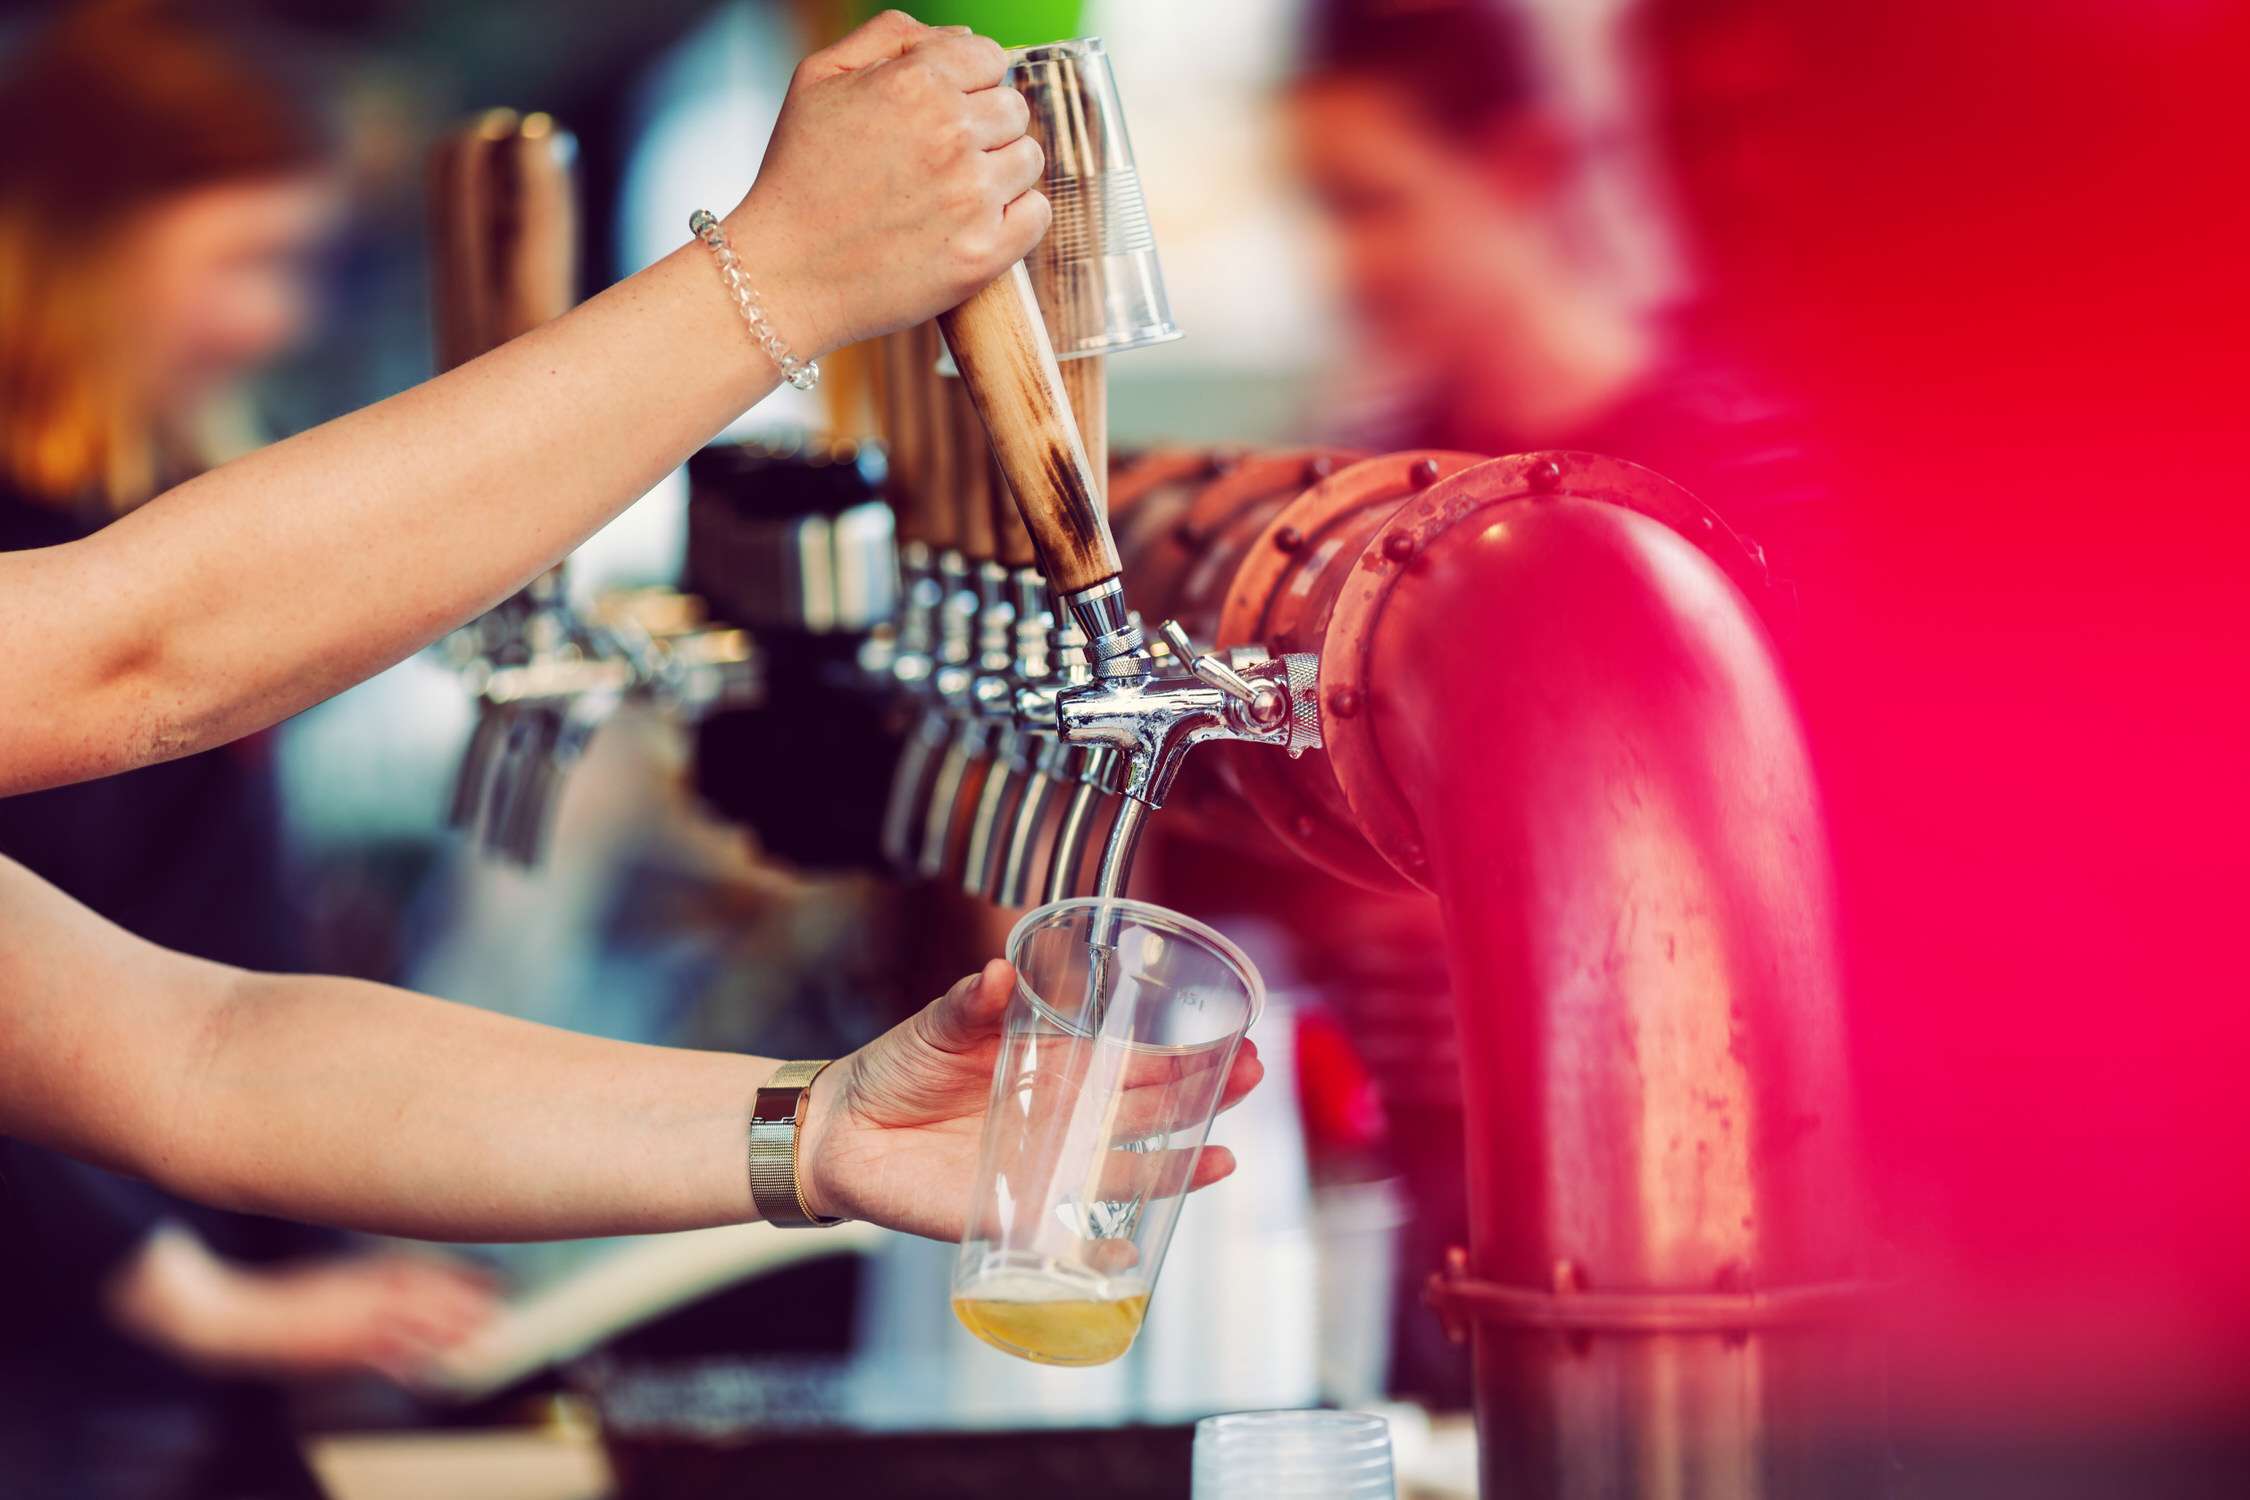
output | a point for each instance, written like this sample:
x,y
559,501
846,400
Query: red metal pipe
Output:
x,y
1579,721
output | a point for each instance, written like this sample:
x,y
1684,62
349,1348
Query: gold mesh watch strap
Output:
x,y
775,1111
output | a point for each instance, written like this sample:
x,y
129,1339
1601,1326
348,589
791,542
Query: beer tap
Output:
x,y
977,635
1011,651
1094,768
505,250
900,656
1150,710
505,239
1100,291
937,629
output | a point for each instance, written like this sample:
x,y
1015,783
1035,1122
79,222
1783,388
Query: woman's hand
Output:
x,y
390,1313
898,181
891,1132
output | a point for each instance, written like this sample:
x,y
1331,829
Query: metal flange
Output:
x,y
1226,518
1462,1300
1155,469
1279,597
1352,702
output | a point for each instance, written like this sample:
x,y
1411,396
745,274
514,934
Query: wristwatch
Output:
x,y
775,1112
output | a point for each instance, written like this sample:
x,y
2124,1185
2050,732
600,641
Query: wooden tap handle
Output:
x,y
1001,345
972,475
943,500
909,370
1012,541
503,235
1086,379
503,231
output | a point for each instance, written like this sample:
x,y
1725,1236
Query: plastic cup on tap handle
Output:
x,y
1110,1073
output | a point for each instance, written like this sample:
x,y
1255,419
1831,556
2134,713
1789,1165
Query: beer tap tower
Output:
x,y
1544,697
504,238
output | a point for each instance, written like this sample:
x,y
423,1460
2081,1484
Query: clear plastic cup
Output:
x,y
1113,1058
1293,1455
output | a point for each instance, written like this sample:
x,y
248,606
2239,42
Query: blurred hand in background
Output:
x,y
388,1313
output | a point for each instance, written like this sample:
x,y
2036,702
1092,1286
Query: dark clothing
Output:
x,y
1706,421
187,854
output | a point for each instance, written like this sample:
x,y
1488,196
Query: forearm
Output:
x,y
358,1105
275,581
897,182
351,1103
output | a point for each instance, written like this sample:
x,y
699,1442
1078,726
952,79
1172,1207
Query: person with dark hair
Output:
x,y
1427,134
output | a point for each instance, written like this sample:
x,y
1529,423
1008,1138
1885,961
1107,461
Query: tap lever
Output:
x,y
1264,702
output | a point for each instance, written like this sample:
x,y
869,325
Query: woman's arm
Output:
x,y
359,1105
898,180
349,1103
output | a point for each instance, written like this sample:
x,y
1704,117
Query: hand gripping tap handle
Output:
x,y
1000,344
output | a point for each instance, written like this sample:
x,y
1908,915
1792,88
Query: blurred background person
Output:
x,y
1499,313
157,247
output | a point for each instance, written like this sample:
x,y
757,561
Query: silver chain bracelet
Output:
x,y
802,373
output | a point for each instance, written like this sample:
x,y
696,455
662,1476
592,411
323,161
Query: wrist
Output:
x,y
822,1107
776,257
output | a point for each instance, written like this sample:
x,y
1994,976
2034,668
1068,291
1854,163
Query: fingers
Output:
x,y
1015,167
970,1012
996,117
1216,1164
965,61
1128,1175
887,36
1248,1070
1150,1068
1023,224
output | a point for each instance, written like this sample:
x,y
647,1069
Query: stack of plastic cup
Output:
x,y
1293,1455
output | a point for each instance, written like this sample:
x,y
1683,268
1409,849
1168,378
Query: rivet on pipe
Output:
x,y
1344,703
1545,475
1398,546
1288,539
1423,474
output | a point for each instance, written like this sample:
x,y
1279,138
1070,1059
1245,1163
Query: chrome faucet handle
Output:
x,y
1261,700
1155,719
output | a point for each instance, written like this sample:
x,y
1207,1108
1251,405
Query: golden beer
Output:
x,y
1051,1325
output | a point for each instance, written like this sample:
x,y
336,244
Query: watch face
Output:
x,y
776,1106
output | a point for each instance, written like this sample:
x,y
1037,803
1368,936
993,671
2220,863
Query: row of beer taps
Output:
x,y
545,675
1032,682
1039,710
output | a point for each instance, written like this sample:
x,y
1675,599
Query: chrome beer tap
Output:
x,y
504,230
979,628
942,605
1011,651
1153,710
1033,761
1100,291
1146,708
